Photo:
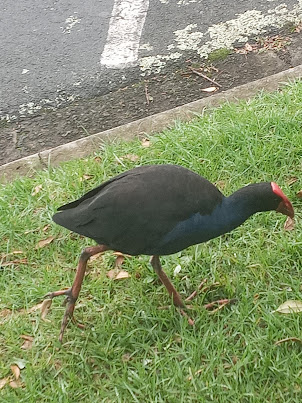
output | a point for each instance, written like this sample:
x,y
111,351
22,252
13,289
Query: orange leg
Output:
x,y
73,292
177,301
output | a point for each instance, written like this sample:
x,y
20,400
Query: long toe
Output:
x,y
65,291
67,315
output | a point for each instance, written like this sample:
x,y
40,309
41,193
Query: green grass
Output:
x,y
131,351
219,55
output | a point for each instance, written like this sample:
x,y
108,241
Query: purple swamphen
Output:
x,y
158,210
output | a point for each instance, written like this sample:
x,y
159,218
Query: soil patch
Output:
x,y
154,94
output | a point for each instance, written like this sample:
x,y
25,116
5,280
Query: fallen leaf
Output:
x,y
122,274
28,341
209,89
34,308
177,270
46,304
196,373
11,262
289,224
87,177
3,382
220,184
16,371
44,242
15,252
16,384
43,307
248,47
131,157
111,274
288,339
291,180
121,254
20,362
115,274
96,257
146,143
299,194
29,231
36,190
97,159
5,312
46,227
126,357
290,306
119,261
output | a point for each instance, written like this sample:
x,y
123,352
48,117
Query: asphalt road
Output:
x,y
55,51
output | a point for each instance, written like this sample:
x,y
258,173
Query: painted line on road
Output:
x,y
125,28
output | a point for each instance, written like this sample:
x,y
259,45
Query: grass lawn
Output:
x,y
131,351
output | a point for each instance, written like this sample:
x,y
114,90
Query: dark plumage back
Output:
x,y
134,210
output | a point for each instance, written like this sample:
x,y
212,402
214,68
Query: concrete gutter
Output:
x,y
151,124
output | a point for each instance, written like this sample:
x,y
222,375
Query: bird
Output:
x,y
158,210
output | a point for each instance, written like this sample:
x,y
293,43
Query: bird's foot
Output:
x,y
69,301
194,293
183,313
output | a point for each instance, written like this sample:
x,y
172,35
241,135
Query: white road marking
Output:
x,y
126,25
222,35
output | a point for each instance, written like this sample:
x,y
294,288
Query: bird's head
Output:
x,y
284,206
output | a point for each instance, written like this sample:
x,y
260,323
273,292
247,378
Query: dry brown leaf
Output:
x,y
44,242
296,339
30,231
299,194
3,382
5,312
26,337
28,341
130,157
97,159
96,257
209,89
248,47
15,252
196,373
111,274
36,190
220,184
34,308
291,180
16,371
126,357
119,261
87,177
43,307
11,262
289,224
46,227
290,306
122,274
16,384
115,274
146,143
46,304
121,254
